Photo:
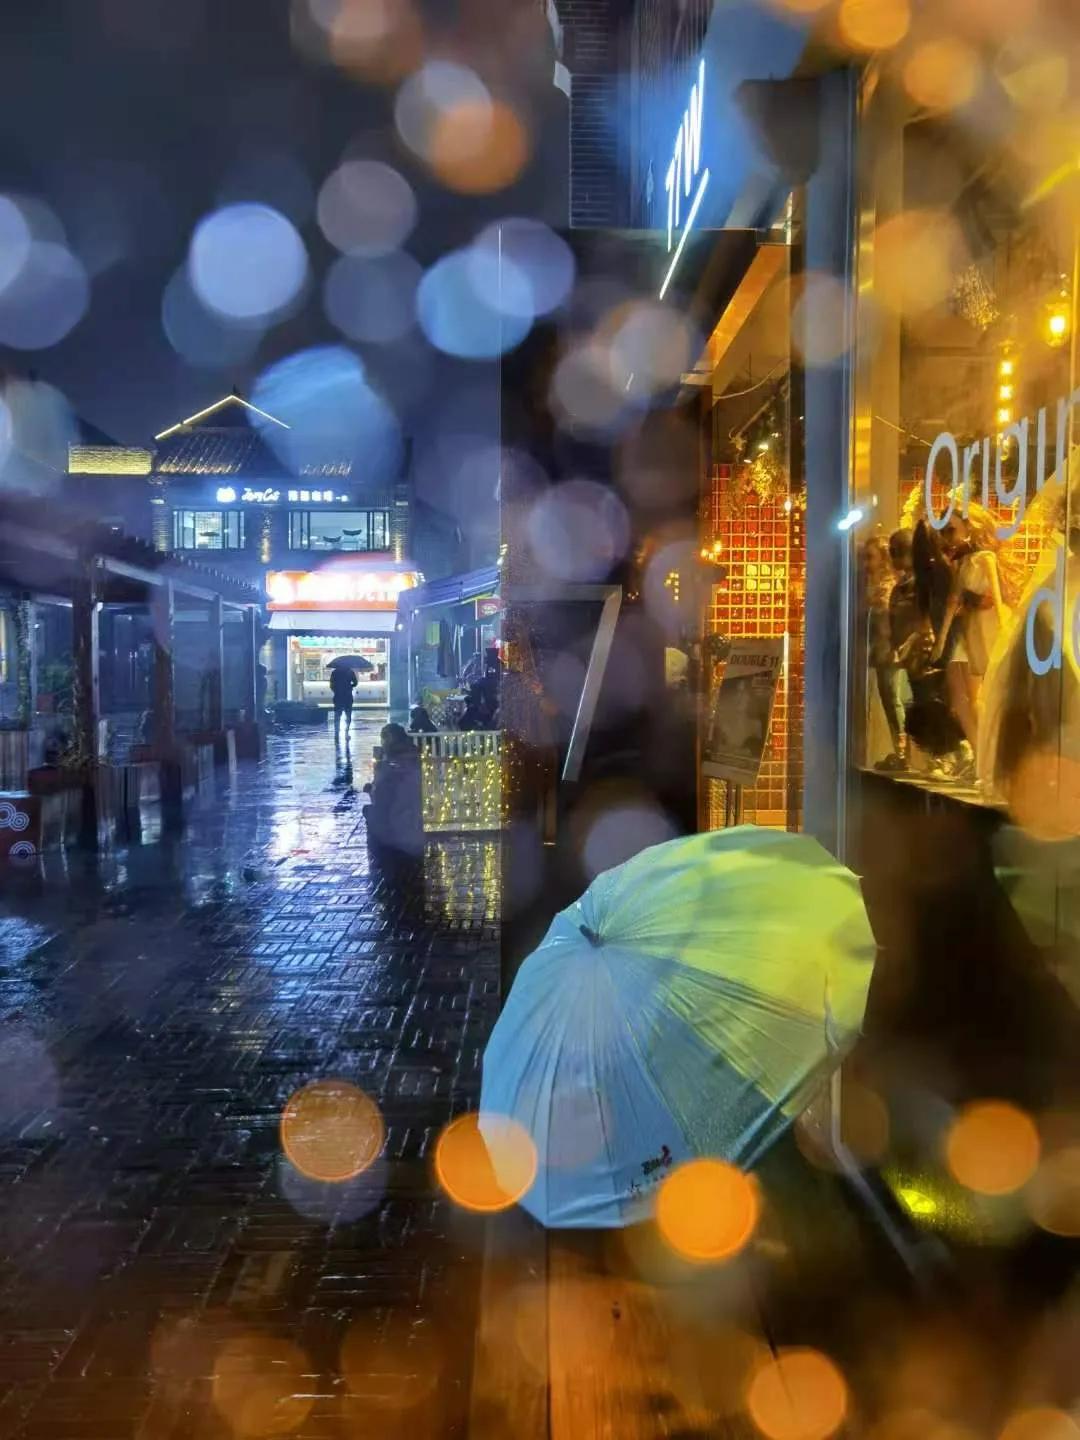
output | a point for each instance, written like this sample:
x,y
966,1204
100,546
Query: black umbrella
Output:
x,y
354,662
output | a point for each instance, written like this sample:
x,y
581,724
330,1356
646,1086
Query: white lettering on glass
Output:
x,y
1046,607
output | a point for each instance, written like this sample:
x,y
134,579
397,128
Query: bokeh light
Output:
x,y
15,239
435,89
992,1147
874,24
1040,1423
201,336
331,1131
366,208
391,1362
379,40
485,1163
1033,73
578,530
459,320
372,298
650,347
262,1385
621,830
334,414
797,1395
586,395
707,1210
45,299
1053,1196
478,147
247,262
536,253
819,318
333,1202
918,255
941,74
800,7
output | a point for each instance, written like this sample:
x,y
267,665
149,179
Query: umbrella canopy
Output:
x,y
354,662
687,1005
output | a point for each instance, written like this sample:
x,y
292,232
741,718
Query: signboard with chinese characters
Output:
x,y
337,589
741,711
273,495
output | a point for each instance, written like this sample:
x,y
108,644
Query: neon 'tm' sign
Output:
x,y
685,176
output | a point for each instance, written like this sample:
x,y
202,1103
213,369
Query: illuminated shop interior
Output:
x,y
752,523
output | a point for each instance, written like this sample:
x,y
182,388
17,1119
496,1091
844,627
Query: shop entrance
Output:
x,y
309,675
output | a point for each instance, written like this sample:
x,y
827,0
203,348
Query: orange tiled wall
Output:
x,y
763,597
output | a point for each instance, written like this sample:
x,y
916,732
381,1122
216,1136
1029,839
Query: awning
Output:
x,y
451,590
334,622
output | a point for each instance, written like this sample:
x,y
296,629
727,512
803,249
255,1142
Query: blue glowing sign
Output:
x,y
684,175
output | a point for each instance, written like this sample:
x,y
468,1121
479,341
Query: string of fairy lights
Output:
x,y
462,781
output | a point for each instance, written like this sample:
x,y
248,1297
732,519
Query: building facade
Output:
x,y
327,546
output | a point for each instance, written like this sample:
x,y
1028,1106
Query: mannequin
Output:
x,y
977,607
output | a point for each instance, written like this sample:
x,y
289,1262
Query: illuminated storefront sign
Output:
x,y
685,176
228,495
337,589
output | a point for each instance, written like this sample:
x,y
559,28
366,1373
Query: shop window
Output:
x,y
208,529
339,530
966,650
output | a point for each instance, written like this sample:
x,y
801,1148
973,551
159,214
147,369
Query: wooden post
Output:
x,y
250,695
25,662
85,616
86,696
215,678
162,618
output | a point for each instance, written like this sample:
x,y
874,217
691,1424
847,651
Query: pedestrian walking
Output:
x,y
342,684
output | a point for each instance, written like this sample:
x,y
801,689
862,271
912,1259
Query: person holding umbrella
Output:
x,y
342,684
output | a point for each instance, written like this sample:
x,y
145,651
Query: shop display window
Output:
x,y
967,637
351,530
208,529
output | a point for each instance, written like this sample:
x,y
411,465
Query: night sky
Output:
x,y
134,118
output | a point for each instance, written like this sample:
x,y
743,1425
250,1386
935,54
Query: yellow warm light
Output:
x,y
1057,325
331,1131
1005,392
941,74
478,148
1053,1197
262,1386
1004,416
992,1148
1006,368
915,1202
1040,1423
485,1171
799,1395
874,24
707,1210
201,415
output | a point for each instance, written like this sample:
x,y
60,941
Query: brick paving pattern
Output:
x,y
164,1271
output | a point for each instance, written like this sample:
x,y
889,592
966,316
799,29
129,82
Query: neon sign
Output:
x,y
226,495
334,589
682,174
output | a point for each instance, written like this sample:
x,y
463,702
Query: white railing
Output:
x,y
462,779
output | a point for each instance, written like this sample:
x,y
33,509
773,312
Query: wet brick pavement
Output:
x,y
164,1271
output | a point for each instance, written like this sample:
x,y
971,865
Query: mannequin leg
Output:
x,y
958,680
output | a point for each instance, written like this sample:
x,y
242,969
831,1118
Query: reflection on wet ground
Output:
x,y
166,1270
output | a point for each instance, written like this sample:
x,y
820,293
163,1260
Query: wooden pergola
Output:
x,y
87,567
